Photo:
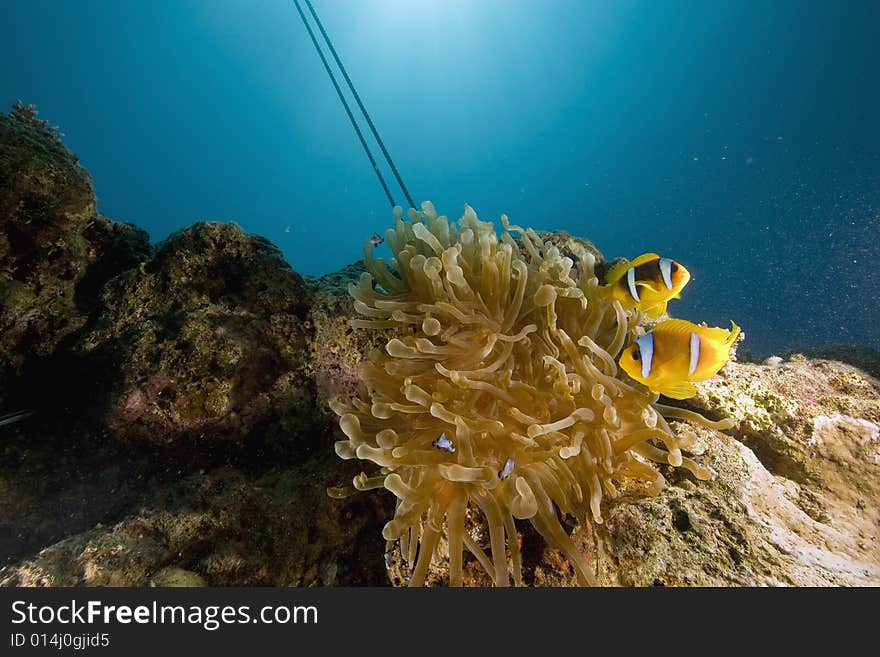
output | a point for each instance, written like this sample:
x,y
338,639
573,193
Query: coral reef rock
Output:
x,y
336,349
173,437
224,529
55,249
56,479
212,334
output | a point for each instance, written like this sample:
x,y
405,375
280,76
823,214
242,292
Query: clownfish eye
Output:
x,y
674,266
636,355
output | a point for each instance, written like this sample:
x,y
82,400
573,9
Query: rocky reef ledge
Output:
x,y
179,432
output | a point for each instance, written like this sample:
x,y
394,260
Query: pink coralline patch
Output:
x,y
135,402
17,361
140,398
334,377
142,406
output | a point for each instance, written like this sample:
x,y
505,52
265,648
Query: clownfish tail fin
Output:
x,y
735,332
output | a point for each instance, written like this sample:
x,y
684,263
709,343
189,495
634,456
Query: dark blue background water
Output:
x,y
742,138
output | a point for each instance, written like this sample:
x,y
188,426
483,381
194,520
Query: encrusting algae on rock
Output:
x,y
499,392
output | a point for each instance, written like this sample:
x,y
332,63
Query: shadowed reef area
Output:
x,y
180,430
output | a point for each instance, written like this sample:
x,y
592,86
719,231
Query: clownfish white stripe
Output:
x,y
646,349
666,271
695,353
631,282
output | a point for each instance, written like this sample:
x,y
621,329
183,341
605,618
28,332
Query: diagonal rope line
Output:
x,y
360,104
345,104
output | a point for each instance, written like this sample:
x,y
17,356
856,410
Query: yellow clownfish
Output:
x,y
676,353
646,283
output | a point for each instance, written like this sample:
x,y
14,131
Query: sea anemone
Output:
x,y
497,391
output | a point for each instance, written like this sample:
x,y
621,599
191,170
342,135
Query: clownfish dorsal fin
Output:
x,y
677,326
734,332
617,271
712,333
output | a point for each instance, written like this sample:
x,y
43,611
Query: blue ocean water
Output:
x,y
741,138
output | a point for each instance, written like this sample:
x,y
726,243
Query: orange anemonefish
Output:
x,y
676,353
647,283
